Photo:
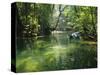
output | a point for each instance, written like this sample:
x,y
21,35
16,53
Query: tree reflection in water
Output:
x,y
55,52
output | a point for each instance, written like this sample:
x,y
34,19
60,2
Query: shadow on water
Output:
x,y
54,53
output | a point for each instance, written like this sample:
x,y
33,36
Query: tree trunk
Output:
x,y
60,13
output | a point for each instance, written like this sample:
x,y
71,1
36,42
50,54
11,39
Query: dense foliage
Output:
x,y
41,19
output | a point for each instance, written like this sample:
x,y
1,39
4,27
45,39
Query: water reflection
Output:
x,y
54,52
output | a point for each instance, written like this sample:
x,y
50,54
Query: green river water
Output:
x,y
55,52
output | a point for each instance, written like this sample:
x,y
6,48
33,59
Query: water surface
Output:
x,y
55,52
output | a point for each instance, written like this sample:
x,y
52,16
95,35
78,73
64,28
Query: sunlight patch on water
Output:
x,y
57,47
28,64
59,32
59,51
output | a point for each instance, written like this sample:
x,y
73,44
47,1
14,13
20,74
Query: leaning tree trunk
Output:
x,y
60,13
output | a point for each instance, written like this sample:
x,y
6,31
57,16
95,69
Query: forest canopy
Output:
x,y
35,20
